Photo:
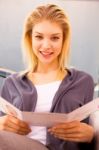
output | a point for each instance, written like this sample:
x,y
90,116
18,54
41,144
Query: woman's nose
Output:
x,y
46,44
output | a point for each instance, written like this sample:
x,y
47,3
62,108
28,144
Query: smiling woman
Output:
x,y
48,85
60,27
47,42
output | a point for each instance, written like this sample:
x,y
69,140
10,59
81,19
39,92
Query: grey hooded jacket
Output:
x,y
75,90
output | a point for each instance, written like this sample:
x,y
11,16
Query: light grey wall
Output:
x,y
84,18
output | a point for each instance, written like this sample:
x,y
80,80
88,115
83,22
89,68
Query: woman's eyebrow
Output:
x,y
56,34
51,34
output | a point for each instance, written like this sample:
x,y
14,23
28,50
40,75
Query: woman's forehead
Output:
x,y
47,26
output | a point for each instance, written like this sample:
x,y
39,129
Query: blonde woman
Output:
x,y
47,85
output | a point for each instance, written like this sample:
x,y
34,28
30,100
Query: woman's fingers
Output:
x,y
19,126
13,124
14,130
66,127
18,122
75,131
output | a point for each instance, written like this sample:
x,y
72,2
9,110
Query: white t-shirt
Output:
x,y
45,97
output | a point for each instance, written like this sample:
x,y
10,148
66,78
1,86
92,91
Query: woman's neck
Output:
x,y
46,73
42,77
46,68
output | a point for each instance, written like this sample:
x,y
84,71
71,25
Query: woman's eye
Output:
x,y
38,37
55,38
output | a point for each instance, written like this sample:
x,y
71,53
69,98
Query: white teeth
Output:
x,y
46,53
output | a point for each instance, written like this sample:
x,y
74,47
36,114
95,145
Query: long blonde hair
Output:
x,y
52,13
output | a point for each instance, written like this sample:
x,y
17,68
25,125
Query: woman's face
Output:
x,y
47,39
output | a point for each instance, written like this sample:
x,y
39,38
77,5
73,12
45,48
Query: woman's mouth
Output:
x,y
46,54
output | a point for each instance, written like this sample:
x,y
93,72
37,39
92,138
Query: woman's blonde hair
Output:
x,y
51,13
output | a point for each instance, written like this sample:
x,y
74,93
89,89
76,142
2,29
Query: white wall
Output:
x,y
84,18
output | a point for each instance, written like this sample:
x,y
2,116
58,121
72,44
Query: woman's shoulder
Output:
x,y
80,76
15,77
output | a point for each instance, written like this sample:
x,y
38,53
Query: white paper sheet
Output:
x,y
50,119
8,108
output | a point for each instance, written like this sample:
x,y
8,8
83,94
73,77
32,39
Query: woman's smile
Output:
x,y
45,54
47,42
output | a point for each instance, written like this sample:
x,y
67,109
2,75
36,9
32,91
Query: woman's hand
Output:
x,y
73,131
13,124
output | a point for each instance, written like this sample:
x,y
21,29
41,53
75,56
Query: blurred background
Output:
x,y
84,18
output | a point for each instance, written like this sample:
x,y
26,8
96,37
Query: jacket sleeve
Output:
x,y
4,92
89,91
89,97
